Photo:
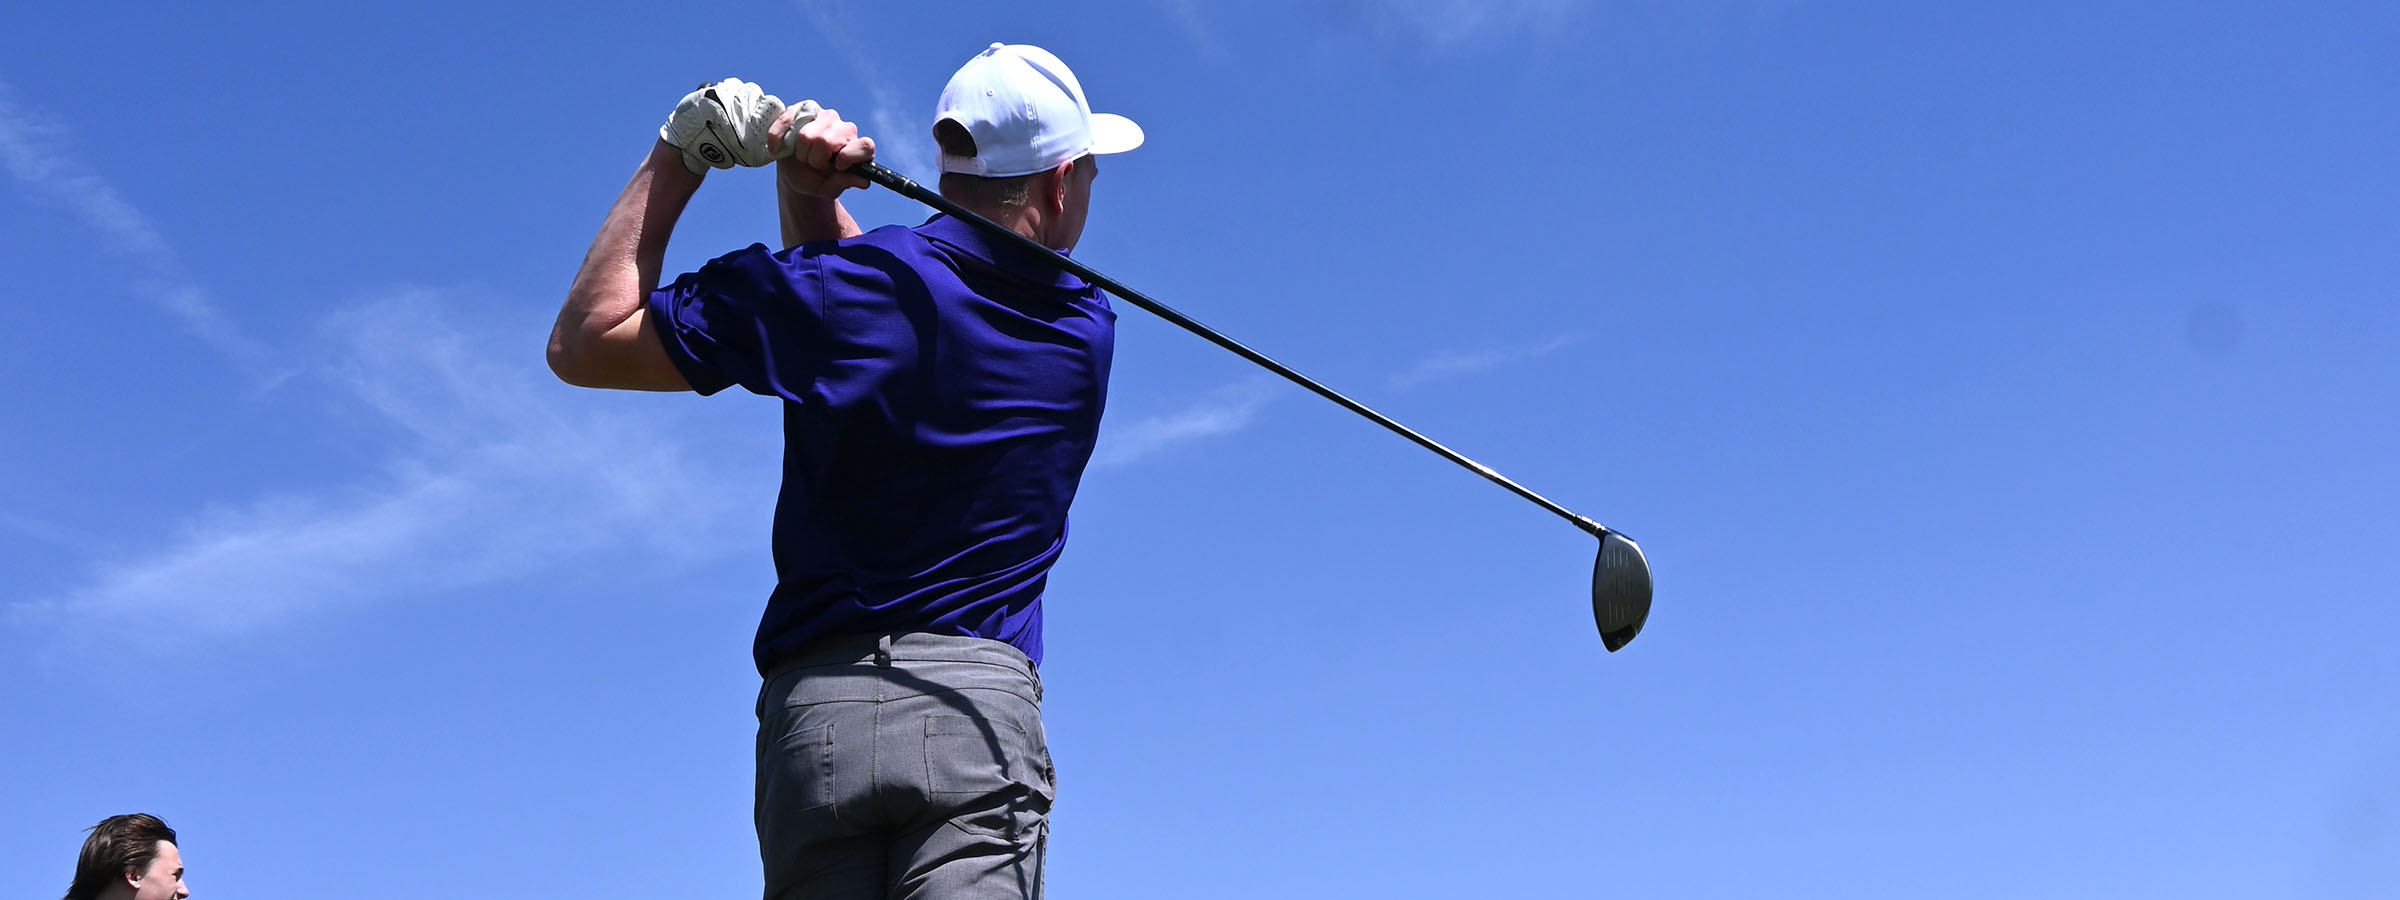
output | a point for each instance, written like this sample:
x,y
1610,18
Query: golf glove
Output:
x,y
722,125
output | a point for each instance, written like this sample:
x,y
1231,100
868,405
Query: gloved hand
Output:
x,y
722,125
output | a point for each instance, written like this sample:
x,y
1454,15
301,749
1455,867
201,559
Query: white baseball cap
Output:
x,y
1026,113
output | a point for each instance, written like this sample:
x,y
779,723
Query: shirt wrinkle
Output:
x,y
1014,262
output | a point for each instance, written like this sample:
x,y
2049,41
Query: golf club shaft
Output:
x,y
910,189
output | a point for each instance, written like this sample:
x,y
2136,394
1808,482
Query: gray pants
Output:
x,y
909,766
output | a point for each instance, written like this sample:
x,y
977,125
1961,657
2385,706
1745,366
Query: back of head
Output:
x,y
117,846
976,191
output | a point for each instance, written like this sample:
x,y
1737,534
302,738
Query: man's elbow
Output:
x,y
570,363
618,360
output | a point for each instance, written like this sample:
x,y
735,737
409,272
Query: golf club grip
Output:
x,y
903,186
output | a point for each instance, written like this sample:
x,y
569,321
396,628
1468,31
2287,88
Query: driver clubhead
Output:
x,y
1620,590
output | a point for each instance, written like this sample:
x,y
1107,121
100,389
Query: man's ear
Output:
x,y
1058,187
133,879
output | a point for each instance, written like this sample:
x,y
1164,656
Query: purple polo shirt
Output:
x,y
941,396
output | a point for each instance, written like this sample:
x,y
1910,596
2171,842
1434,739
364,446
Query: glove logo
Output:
x,y
711,153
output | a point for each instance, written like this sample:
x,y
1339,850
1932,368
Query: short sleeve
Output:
x,y
745,318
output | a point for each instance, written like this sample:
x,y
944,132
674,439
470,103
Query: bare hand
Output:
x,y
823,149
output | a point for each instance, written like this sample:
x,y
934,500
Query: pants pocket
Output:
x,y
796,769
983,771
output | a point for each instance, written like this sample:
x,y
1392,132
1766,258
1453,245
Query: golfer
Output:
x,y
941,392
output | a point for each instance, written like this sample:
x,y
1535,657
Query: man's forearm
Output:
x,y
623,265
808,218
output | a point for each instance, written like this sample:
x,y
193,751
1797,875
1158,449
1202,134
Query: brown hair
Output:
x,y
119,846
976,190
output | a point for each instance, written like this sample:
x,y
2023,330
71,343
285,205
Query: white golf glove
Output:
x,y
722,125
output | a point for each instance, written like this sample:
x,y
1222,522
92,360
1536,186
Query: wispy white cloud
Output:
x,y
49,532
901,122
1223,411
1236,406
36,152
494,470
499,472
1192,17
1448,24
1438,26
1453,364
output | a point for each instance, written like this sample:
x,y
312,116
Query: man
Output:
x,y
941,394
129,857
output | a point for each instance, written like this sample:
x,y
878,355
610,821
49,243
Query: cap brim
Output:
x,y
1112,133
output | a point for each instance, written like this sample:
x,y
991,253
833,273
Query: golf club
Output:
x,y
1620,576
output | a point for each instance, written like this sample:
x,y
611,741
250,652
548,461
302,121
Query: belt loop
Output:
x,y
883,650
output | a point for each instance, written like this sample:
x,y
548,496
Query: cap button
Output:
x,y
995,48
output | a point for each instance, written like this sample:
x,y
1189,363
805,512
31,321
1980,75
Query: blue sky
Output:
x,y
2004,394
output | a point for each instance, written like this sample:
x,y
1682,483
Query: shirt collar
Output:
x,y
1012,260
